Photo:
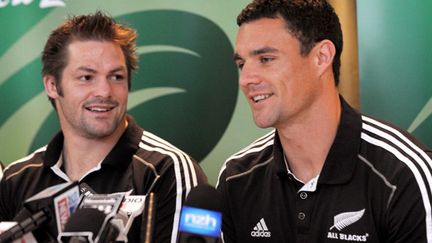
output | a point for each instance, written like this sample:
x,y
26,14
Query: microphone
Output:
x,y
131,207
148,220
86,190
201,217
89,225
92,221
50,207
26,238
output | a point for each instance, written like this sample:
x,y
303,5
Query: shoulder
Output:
x,y
395,153
404,164
24,166
154,148
257,154
387,139
160,155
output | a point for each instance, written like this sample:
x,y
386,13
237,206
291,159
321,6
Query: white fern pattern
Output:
x,y
343,220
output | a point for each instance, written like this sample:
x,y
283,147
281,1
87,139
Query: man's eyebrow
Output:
x,y
263,50
91,70
237,57
117,69
86,69
257,52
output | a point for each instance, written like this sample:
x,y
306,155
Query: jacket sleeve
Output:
x,y
7,206
228,230
409,216
3,203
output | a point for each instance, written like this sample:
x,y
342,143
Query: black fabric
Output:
x,y
374,187
140,161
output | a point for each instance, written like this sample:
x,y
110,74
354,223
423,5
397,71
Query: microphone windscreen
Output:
x,y
204,196
201,217
86,219
92,220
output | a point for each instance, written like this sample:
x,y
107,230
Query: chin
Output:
x,y
262,124
98,135
262,121
100,132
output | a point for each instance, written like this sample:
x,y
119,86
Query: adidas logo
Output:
x,y
261,230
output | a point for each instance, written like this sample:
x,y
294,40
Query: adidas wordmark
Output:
x,y
261,230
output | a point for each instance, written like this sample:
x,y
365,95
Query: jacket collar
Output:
x,y
120,155
341,159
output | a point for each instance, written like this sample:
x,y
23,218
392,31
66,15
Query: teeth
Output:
x,y
258,98
97,109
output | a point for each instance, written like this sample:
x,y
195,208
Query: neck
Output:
x,y
307,141
81,154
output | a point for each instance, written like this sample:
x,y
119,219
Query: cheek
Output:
x,y
122,94
74,97
243,89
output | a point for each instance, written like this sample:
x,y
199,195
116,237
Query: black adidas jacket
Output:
x,y
375,186
140,161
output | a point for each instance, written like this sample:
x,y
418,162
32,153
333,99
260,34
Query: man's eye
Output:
x,y
266,59
240,65
85,78
116,77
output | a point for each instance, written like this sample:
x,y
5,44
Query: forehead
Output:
x,y
94,52
264,32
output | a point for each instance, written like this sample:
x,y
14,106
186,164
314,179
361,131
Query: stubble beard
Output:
x,y
100,131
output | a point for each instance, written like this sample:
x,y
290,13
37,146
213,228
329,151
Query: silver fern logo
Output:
x,y
343,220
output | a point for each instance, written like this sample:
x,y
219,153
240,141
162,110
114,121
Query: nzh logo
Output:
x,y
185,89
344,220
260,230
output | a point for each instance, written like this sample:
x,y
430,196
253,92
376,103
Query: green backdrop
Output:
x,y
185,89
395,60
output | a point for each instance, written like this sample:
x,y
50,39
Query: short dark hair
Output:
x,y
310,21
97,26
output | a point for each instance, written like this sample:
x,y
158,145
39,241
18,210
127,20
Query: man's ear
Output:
x,y
324,51
50,86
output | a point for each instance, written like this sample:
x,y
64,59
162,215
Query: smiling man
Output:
x,y
87,68
326,173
